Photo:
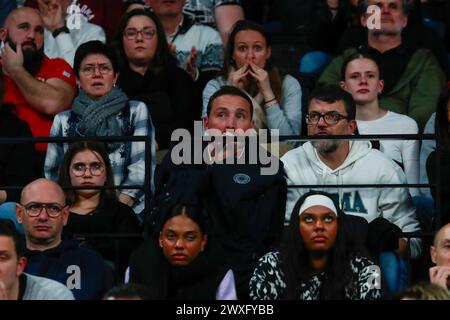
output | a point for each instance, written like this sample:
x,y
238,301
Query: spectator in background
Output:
x,y
198,48
37,86
97,211
245,206
276,97
317,259
183,264
222,14
415,35
6,6
128,291
16,159
104,13
14,283
103,109
148,73
440,156
64,32
413,79
423,291
332,111
43,213
362,79
440,255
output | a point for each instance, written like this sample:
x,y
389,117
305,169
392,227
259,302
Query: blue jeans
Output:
x,y
394,272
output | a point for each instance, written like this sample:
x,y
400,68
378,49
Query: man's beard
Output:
x,y
326,146
32,58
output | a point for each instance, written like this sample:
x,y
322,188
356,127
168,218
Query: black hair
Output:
x,y
94,47
129,290
442,125
162,54
295,257
194,212
332,93
7,229
275,76
232,91
359,55
107,196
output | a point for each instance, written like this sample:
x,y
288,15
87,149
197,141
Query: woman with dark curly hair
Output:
x,y
317,260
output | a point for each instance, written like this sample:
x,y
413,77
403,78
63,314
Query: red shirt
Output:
x,y
39,123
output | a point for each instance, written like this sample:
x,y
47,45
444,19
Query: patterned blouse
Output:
x,y
267,282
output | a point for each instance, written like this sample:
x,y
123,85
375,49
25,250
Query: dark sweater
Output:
x,y
16,159
116,218
197,281
67,261
169,96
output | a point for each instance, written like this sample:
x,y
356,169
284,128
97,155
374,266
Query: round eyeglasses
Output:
x,y
95,168
132,33
330,117
34,209
89,70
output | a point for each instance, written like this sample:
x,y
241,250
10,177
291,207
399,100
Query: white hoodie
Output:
x,y
363,165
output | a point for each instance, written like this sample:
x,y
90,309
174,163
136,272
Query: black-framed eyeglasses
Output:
x,y
34,209
330,118
95,168
132,33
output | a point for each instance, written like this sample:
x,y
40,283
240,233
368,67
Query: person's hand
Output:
x,y
11,60
191,68
52,14
3,293
237,78
126,199
172,49
440,276
263,81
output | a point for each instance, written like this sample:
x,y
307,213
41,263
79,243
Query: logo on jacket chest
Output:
x,y
351,202
241,178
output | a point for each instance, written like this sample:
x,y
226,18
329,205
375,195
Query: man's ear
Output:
x,y
21,264
3,34
363,20
19,213
352,125
205,122
342,84
433,254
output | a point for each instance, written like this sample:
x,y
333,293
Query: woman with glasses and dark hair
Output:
x,y
103,109
247,65
316,260
149,73
94,211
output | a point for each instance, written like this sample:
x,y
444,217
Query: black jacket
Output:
x,y
16,159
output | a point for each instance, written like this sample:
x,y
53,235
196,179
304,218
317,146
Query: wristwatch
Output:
x,y
56,32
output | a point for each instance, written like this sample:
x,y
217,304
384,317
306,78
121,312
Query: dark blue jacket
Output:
x,y
65,263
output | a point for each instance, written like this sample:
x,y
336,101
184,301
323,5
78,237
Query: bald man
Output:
x,y
43,213
440,255
38,87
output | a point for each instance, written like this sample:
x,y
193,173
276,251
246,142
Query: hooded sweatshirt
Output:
x,y
363,165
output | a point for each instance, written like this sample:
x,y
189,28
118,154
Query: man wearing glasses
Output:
x,y
43,213
331,112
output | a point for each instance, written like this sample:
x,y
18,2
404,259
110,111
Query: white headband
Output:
x,y
318,200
